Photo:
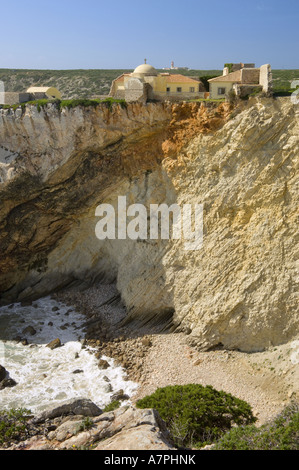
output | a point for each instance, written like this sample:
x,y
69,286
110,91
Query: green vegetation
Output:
x,y
38,103
86,103
205,80
282,81
229,66
73,84
196,415
112,406
12,106
70,104
13,425
87,423
280,434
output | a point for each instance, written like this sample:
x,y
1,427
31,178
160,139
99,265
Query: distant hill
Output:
x,y
71,83
96,83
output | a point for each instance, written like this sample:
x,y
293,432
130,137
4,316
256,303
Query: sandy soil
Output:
x,y
267,380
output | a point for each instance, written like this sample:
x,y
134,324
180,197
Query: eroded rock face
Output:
x,y
238,290
56,167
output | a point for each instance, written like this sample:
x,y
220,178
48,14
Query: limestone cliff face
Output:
x,y
239,289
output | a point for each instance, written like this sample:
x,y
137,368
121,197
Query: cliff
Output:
x,y
238,290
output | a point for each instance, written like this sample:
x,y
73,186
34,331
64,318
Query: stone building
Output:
x,y
145,83
33,93
243,79
11,97
44,92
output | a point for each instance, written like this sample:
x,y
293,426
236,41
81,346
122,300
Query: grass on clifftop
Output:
x,y
86,103
60,104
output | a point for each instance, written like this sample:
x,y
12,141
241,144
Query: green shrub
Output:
x,y
205,80
38,103
87,103
13,425
229,66
110,101
70,104
79,102
86,423
257,91
280,434
196,415
112,406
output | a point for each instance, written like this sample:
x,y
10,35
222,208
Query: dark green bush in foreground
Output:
x,y
13,425
280,434
196,415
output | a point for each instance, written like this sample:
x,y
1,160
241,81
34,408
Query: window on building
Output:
x,y
192,89
221,91
179,89
168,89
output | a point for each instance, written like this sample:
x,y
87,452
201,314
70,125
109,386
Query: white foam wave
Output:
x,y
46,377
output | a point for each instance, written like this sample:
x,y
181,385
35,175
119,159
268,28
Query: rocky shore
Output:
x,y
267,380
81,425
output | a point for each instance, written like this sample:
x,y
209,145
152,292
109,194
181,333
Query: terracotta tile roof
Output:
x,y
231,77
178,78
170,78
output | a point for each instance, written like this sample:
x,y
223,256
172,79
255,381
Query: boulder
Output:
x,y
119,395
2,373
103,364
79,406
134,429
8,382
29,330
56,343
144,437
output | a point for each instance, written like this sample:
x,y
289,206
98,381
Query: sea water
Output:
x,y
47,377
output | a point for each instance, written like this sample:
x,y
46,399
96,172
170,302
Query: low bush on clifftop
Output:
x,y
70,104
280,434
196,415
94,103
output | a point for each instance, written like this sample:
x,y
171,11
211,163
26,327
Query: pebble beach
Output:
x,y
268,380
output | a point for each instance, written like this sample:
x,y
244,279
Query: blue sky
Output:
x,y
90,34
